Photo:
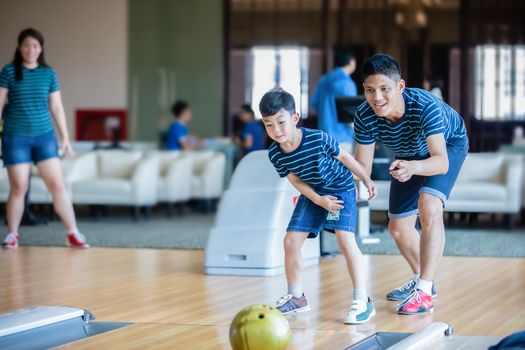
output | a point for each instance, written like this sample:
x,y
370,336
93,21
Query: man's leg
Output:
x,y
432,234
432,244
404,232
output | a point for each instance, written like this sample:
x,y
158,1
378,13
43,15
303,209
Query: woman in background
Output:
x,y
31,90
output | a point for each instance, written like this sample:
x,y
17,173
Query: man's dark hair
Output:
x,y
276,100
343,57
382,64
247,108
179,107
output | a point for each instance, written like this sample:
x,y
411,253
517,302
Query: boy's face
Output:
x,y
281,126
383,94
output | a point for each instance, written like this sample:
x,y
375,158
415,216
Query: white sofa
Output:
x,y
487,183
114,177
208,174
175,176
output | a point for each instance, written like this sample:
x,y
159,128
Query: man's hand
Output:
x,y
403,170
330,203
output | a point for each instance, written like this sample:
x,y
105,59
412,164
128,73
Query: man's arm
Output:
x,y
190,142
437,163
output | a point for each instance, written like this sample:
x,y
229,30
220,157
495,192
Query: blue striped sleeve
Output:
x,y
331,145
281,170
361,130
54,86
432,120
4,77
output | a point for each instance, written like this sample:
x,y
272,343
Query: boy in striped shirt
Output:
x,y
315,164
430,144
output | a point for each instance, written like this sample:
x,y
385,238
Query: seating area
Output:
x,y
489,182
134,178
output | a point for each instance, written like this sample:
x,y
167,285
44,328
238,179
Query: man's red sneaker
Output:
x,y
417,303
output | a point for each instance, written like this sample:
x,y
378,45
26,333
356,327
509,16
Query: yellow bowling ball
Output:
x,y
260,327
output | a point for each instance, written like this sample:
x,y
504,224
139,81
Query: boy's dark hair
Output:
x,y
276,100
248,109
343,57
382,64
179,107
18,60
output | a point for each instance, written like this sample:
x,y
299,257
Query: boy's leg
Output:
x,y
294,300
355,261
293,260
362,308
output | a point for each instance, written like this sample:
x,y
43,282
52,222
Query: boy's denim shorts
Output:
x,y
404,195
311,218
18,149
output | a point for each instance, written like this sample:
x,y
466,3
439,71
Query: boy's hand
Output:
x,y
371,187
330,203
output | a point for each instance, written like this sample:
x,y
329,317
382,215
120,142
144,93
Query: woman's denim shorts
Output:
x,y
18,149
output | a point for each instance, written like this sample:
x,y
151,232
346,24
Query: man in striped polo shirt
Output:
x,y
430,142
314,163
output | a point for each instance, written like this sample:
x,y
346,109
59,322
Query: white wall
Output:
x,y
85,42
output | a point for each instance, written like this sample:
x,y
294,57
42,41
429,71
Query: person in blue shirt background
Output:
x,y
178,137
253,136
335,83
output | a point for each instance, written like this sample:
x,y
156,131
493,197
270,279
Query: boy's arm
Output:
x,y
358,169
365,155
328,202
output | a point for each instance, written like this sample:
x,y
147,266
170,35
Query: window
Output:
x,y
284,66
500,82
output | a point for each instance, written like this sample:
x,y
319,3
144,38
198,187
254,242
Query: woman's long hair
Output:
x,y
18,60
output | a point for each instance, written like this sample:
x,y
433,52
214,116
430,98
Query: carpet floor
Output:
x,y
191,231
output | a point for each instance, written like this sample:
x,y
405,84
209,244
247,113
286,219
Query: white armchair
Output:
x,y
208,174
114,177
488,182
176,172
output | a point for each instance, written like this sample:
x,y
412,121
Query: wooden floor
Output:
x,y
174,305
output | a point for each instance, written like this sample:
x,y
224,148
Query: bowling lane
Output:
x,y
180,336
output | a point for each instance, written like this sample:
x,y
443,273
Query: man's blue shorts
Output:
x,y
404,195
18,149
311,218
